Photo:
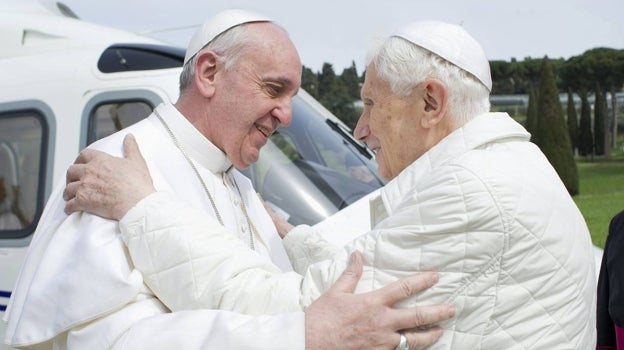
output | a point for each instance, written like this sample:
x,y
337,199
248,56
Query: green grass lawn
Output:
x,y
601,193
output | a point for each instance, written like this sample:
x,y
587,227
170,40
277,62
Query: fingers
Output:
x,y
76,191
71,206
131,148
422,338
108,186
419,317
347,282
407,286
86,155
72,203
70,190
74,173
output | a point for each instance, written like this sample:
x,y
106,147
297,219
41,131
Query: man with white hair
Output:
x,y
468,196
79,289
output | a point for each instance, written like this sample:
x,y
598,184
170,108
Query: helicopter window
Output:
x,y
110,117
137,57
23,136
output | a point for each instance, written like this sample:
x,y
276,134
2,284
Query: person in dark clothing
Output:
x,y
610,303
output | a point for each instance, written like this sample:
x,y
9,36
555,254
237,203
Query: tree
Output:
x,y
600,125
502,78
309,82
327,84
552,133
332,94
607,68
572,122
351,81
586,138
602,65
531,121
576,74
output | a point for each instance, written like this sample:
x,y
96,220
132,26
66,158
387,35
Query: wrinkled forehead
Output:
x,y
373,83
272,49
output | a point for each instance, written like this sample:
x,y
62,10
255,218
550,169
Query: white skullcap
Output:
x,y
452,43
218,24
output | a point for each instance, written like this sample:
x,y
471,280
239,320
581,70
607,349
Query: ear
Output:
x,y
436,100
206,69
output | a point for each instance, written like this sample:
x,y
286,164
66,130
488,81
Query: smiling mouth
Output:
x,y
266,132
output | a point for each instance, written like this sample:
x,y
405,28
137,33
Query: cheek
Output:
x,y
377,124
383,168
385,131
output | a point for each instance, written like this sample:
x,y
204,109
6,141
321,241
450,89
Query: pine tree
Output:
x,y
327,85
552,133
600,126
351,81
333,94
586,138
572,122
309,82
531,121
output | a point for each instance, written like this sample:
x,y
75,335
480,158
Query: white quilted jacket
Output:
x,y
483,207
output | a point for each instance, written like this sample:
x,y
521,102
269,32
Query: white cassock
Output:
x,y
78,289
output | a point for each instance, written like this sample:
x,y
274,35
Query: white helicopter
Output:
x,y
67,83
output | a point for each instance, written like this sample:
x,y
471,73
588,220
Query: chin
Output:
x,y
245,163
241,164
384,176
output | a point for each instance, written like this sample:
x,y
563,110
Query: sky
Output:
x,y
339,31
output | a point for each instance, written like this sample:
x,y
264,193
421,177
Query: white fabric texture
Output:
x,y
483,207
168,243
78,288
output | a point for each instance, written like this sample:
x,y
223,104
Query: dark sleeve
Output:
x,y
610,293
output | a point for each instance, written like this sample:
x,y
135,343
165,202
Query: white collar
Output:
x,y
196,145
483,129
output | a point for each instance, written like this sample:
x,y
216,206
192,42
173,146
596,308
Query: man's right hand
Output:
x,y
340,319
107,186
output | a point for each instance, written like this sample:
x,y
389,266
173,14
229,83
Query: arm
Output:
x,y
148,325
209,329
190,261
340,317
261,283
306,246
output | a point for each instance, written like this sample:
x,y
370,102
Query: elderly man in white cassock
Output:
x,y
79,288
468,196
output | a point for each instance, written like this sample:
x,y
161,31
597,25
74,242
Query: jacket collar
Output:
x,y
480,131
196,145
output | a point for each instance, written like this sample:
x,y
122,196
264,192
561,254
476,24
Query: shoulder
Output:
x,y
113,144
618,220
616,227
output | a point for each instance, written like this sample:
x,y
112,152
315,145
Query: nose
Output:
x,y
283,111
362,129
